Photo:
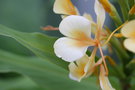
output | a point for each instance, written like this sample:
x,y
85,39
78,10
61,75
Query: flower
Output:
x,y
104,81
83,67
77,30
65,7
129,32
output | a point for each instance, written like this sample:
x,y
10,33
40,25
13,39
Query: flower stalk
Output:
x,y
124,8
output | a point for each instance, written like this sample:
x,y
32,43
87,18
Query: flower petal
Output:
x,y
88,16
77,70
100,12
129,29
130,44
89,68
69,49
64,7
104,81
83,68
76,27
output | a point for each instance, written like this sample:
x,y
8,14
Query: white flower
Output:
x,y
77,30
129,32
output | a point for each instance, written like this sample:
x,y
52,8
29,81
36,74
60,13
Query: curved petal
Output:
x,y
129,29
100,12
89,68
83,68
104,81
130,44
77,70
69,49
76,27
64,7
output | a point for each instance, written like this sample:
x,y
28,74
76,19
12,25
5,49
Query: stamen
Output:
x,y
103,58
50,28
113,33
118,35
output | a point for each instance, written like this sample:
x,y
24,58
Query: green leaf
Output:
x,y
19,83
131,65
38,43
44,73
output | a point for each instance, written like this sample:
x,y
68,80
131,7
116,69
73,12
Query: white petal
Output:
x,y
64,7
68,50
75,27
104,81
130,44
129,29
100,12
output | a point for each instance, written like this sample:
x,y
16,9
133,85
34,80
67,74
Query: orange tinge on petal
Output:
x,y
83,39
77,71
64,7
104,81
83,68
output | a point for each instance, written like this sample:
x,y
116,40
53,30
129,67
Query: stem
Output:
x,y
123,55
117,20
125,59
131,3
124,8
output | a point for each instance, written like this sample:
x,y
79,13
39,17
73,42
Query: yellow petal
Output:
x,y
83,67
104,81
77,70
64,7
89,68
129,29
130,44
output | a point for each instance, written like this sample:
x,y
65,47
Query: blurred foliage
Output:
x,y
26,16
27,60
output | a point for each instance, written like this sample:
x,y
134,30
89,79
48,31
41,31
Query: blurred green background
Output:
x,y
30,16
26,16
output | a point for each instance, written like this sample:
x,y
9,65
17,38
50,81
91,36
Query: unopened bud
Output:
x,y
106,5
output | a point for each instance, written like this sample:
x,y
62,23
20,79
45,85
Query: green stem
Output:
x,y
131,3
123,55
124,8
125,59
115,16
